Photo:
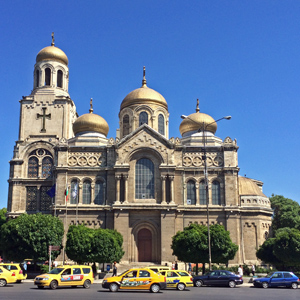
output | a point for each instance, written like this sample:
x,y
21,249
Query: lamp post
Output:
x,y
204,127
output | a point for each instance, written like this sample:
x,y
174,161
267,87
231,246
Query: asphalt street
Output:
x,y
27,291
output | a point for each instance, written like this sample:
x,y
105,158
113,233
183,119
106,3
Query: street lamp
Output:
x,y
204,127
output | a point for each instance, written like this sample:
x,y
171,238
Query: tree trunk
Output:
x,y
203,268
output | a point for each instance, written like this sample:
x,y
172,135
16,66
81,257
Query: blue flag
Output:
x,y
51,192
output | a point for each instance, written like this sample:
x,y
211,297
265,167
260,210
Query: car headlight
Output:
x,y
45,278
104,281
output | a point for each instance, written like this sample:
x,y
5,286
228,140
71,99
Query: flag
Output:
x,y
67,193
51,192
74,192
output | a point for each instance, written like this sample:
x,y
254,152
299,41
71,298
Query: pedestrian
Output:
x,y
115,269
173,265
176,265
94,268
240,270
190,268
55,264
253,270
25,267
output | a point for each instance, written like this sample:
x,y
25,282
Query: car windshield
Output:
x,y
56,271
269,275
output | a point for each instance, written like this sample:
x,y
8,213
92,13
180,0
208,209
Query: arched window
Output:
x,y
99,193
144,179
161,124
74,197
47,76
143,118
37,78
60,78
86,192
33,167
202,193
191,192
125,125
215,193
47,164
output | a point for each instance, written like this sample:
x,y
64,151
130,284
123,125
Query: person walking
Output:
x,y
176,265
253,270
115,269
240,270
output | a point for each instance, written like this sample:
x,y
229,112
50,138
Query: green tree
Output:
x,y
283,250
94,245
79,243
3,212
191,244
286,212
29,236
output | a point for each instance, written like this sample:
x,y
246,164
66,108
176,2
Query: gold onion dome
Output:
x,y
144,95
198,122
90,123
52,53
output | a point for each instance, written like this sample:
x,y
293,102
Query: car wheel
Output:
x,y
87,284
53,285
199,283
40,286
232,284
113,287
154,288
294,285
3,282
265,285
180,286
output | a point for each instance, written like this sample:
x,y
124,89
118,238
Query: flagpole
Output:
x,y
55,201
66,216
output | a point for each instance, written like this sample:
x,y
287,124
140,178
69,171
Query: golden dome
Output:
x,y
247,187
144,95
52,53
198,121
90,122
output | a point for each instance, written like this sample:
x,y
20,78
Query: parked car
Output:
x,y
7,276
218,277
276,279
17,268
136,279
66,276
178,279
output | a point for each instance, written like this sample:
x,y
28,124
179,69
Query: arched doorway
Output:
x,y
145,245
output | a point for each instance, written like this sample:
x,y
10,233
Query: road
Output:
x,y
27,291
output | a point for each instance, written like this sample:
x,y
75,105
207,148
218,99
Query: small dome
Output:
x,y
52,53
90,123
198,121
247,187
144,95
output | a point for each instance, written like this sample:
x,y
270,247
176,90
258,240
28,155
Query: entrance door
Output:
x,y
145,245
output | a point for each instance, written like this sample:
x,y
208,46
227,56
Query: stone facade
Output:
x,y
142,183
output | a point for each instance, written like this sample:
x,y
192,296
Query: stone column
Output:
x,y
197,194
163,189
172,189
125,177
118,178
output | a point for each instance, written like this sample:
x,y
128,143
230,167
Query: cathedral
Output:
x,y
142,183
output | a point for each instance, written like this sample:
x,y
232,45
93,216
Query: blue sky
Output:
x,y
240,58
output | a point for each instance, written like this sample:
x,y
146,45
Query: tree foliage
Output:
x,y
94,245
191,244
282,251
29,236
286,213
3,212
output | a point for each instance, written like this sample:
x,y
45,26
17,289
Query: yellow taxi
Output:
x,y
7,276
178,279
17,268
66,276
136,279
158,269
